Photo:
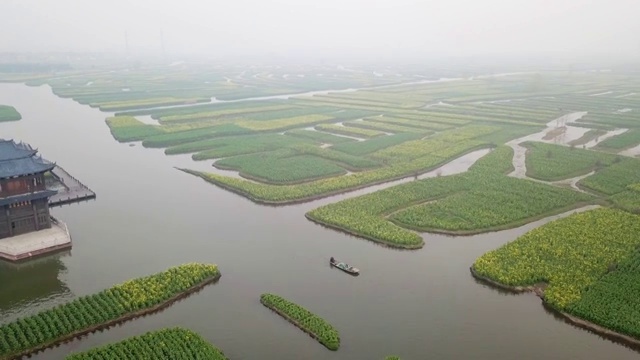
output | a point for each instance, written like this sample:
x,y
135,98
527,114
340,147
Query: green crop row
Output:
x,y
611,301
339,99
266,193
406,122
9,113
348,130
616,120
145,103
326,334
167,344
438,118
615,178
481,200
191,135
205,115
318,136
625,140
485,203
554,162
282,166
569,254
127,128
371,145
133,296
285,123
233,145
500,161
381,126
350,162
423,147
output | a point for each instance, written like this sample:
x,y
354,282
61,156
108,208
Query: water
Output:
x,y
549,135
148,216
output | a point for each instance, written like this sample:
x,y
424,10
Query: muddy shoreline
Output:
x,y
111,323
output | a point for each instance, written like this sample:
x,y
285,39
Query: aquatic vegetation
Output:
x,y
326,334
168,344
106,307
569,254
348,130
615,178
371,145
9,113
392,357
127,128
553,162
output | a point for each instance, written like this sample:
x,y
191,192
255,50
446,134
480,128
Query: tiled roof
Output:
x,y
10,150
18,159
27,197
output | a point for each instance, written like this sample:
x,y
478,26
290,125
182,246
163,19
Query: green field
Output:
x,y
569,254
553,162
615,178
441,149
298,148
625,140
482,200
281,166
368,146
9,113
126,128
326,334
88,313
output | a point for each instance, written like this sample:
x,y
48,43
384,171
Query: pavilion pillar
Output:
x,y
35,215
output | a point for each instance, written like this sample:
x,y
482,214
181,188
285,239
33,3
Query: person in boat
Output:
x,y
332,260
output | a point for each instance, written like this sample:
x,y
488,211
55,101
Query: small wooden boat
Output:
x,y
344,267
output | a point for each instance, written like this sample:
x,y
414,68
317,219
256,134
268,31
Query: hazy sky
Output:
x,y
397,28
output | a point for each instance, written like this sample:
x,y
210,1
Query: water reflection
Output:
x,y
31,284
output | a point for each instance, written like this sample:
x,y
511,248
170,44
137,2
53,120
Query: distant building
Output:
x,y
24,199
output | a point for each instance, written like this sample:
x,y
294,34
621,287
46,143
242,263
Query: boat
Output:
x,y
344,267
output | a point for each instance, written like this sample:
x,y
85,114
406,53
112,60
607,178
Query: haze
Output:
x,y
327,28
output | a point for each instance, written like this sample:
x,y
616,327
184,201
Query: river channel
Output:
x,y
148,216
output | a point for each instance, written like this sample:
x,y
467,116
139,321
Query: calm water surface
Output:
x,y
148,216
